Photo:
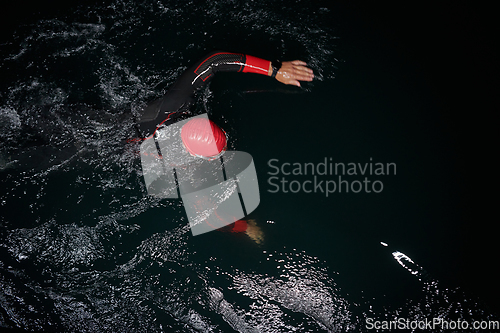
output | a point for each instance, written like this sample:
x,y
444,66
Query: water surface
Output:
x,y
84,249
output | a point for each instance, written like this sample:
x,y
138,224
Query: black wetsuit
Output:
x,y
181,95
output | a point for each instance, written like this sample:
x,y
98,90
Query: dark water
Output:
x,y
84,249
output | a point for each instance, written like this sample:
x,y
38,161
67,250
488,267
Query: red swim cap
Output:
x,y
203,138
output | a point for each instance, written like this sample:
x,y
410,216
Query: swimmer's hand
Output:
x,y
291,72
254,232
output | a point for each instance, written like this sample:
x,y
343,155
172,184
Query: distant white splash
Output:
x,y
406,262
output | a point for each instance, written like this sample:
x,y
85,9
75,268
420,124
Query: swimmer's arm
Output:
x,y
290,72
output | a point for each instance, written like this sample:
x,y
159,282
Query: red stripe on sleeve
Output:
x,y
256,65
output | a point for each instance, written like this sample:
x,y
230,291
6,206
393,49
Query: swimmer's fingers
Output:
x,y
291,72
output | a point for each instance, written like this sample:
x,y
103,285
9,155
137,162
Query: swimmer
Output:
x,y
180,150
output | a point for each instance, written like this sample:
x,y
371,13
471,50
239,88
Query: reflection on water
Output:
x,y
84,249
303,286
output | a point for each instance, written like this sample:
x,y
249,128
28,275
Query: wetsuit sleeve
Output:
x,y
180,95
